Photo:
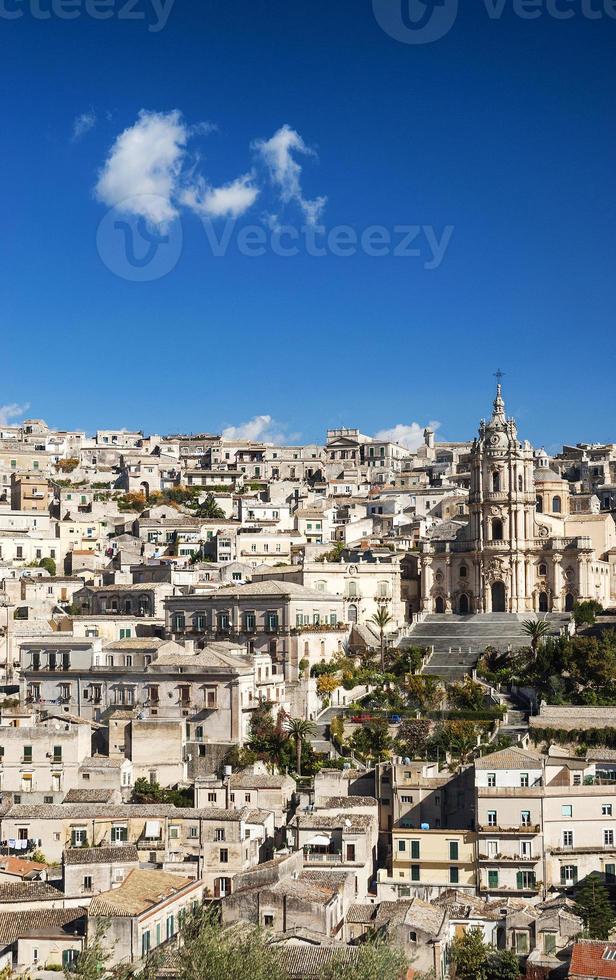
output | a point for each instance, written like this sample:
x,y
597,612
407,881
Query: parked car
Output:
x,y
394,719
361,719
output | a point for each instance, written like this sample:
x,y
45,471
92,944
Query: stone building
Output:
x,y
517,553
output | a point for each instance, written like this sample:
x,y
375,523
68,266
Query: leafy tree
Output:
x,y
594,906
377,960
469,956
146,792
336,728
467,694
210,509
372,739
585,613
458,738
208,952
424,692
503,965
413,736
300,731
92,960
327,684
48,564
537,630
381,619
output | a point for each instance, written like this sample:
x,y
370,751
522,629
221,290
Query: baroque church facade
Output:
x,y
517,553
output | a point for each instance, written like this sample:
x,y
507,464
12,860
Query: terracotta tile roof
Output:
x,y
140,891
307,962
101,855
27,891
20,867
88,796
512,758
13,925
588,960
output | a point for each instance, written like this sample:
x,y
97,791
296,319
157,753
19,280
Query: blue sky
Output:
x,y
502,131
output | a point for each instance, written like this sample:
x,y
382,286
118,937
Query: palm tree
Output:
x,y
299,730
381,619
537,629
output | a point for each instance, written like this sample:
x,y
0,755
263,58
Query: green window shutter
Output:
x,y
610,871
415,872
415,849
492,879
519,880
453,850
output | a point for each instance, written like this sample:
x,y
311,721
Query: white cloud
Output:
x,y
12,411
286,172
143,169
82,124
229,201
261,428
410,436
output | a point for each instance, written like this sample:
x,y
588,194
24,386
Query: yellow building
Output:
x,y
425,863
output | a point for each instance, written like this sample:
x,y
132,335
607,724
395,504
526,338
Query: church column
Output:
x,y
426,584
448,606
557,603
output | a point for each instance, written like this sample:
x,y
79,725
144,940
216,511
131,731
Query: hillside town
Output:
x,y
346,699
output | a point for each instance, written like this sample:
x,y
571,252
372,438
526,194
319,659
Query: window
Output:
x,y
219,833
610,872
549,943
463,571
606,809
174,832
454,850
568,874
27,753
522,944
525,848
268,921
402,845
79,836
491,818
523,779
454,876
525,880
406,799
119,833
224,855
87,883
525,818
415,872
608,838
415,850
412,935
57,753
492,879
491,779
566,810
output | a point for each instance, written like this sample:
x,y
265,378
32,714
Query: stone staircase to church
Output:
x,y
459,641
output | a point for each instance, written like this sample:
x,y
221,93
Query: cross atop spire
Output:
x,y
499,376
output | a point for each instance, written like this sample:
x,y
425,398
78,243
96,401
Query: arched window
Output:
x,y
352,614
382,590
543,569
496,481
463,571
321,585
352,588
539,505
497,529
520,483
556,505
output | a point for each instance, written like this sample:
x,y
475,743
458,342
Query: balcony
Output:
x,y
508,859
521,829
